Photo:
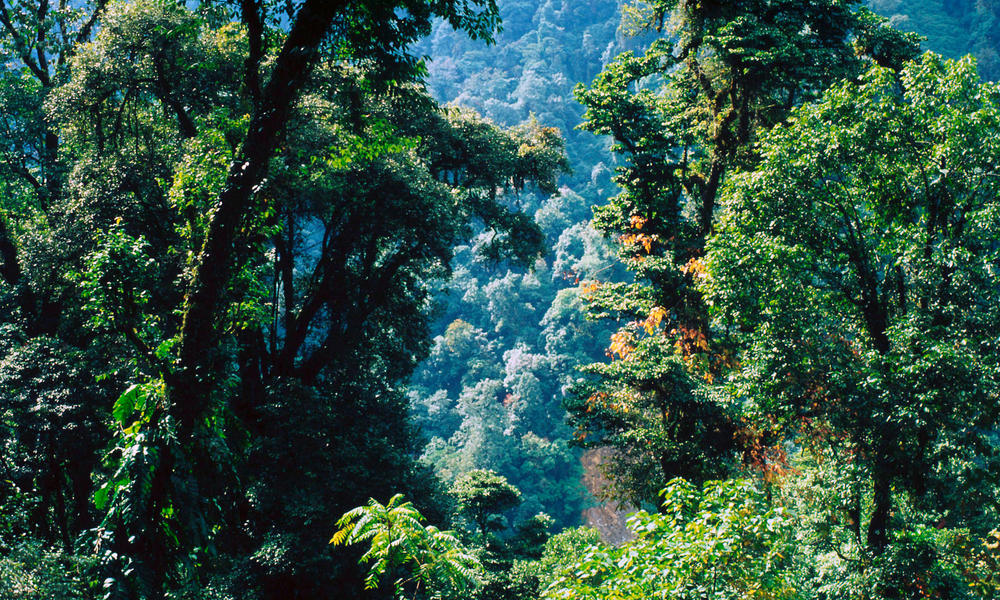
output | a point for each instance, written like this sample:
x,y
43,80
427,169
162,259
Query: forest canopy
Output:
x,y
278,320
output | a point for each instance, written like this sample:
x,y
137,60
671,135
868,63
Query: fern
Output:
x,y
399,541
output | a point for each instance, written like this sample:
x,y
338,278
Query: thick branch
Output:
x,y
215,263
345,338
322,292
285,247
43,11
187,126
184,120
84,34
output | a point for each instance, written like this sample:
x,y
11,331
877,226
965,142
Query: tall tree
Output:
x,y
856,270
46,365
361,32
684,116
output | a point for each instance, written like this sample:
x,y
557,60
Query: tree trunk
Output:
x,y
708,196
190,387
878,526
10,266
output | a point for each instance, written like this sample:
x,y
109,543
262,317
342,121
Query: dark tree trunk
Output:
x,y
878,526
200,361
10,266
53,182
708,196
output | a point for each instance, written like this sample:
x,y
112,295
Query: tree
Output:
x,y
371,32
855,270
532,566
483,497
654,418
685,115
47,366
225,299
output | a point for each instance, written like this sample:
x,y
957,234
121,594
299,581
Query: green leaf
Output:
x,y
125,405
101,497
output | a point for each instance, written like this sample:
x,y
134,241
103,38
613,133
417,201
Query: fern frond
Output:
x,y
341,535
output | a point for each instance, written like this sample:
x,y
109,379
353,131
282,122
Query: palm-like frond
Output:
x,y
397,538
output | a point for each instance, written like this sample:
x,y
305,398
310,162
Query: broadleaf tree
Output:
x,y
855,269
252,202
684,116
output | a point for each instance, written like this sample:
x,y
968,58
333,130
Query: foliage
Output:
x,y
562,550
396,538
655,415
229,218
684,115
855,270
545,48
483,496
224,228
953,28
721,541
926,557
30,572
494,403
534,567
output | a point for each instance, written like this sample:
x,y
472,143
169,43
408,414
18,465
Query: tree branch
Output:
x,y
23,50
363,308
84,34
43,11
250,13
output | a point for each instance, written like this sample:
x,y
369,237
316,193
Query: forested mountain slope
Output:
x,y
801,192
509,341
952,27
